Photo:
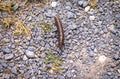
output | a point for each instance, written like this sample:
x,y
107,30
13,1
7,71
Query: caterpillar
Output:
x,y
60,31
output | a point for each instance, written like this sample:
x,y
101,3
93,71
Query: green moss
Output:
x,y
52,60
45,26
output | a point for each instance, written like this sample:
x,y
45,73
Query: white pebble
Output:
x,y
92,17
25,57
54,4
9,56
30,54
87,8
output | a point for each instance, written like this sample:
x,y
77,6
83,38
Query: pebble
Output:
x,y
6,50
29,18
80,3
68,8
31,48
30,54
9,56
85,3
25,57
91,54
73,26
87,8
54,4
92,17
70,15
116,56
117,16
14,70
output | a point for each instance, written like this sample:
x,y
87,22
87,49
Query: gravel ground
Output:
x,y
91,48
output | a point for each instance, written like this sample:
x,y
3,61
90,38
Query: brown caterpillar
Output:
x,y
58,24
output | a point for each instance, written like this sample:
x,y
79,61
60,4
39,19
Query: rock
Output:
x,y
61,77
117,16
25,57
87,8
6,50
73,26
49,13
95,50
14,70
30,54
69,75
91,54
80,3
116,56
54,4
9,56
31,48
118,26
13,46
68,8
70,15
92,17
96,31
109,73
29,18
85,3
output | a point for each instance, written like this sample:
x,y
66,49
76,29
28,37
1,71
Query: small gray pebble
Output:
x,y
116,56
70,15
9,56
30,54
85,3
14,70
31,48
68,8
91,54
117,16
80,3
6,50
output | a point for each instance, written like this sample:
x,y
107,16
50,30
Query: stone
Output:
x,y
116,56
70,15
80,3
87,8
29,18
25,57
91,54
49,13
85,3
54,4
92,17
9,56
117,16
118,26
73,26
31,48
14,70
6,50
30,54
68,8
13,46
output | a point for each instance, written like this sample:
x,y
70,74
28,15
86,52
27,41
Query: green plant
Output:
x,y
45,26
54,61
